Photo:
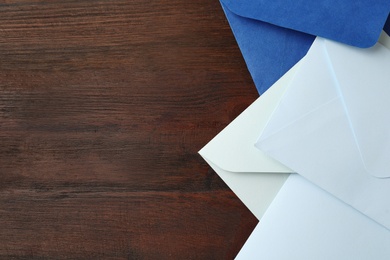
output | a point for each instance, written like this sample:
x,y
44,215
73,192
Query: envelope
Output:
x,y
253,176
332,124
275,35
305,222
269,51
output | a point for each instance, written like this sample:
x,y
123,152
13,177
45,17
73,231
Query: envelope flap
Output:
x,y
363,77
233,148
294,105
321,145
354,22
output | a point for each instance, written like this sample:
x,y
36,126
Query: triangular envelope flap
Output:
x,y
321,147
233,150
301,99
364,82
309,136
354,22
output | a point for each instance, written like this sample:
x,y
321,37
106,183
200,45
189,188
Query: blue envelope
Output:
x,y
275,35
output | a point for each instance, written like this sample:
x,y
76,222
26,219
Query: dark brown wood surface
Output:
x,y
103,107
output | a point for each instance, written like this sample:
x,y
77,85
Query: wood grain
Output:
x,y
103,107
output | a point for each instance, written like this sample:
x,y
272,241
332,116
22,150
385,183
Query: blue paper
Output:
x,y
270,50
354,22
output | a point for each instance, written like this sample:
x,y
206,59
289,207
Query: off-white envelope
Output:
x,y
305,222
332,125
253,176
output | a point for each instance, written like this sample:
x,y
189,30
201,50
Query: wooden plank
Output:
x,y
103,107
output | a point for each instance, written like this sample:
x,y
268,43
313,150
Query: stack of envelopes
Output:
x,y
311,156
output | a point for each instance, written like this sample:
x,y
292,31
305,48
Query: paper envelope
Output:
x,y
253,176
332,125
275,35
305,222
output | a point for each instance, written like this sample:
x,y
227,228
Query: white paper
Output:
x,y
305,222
336,107
252,175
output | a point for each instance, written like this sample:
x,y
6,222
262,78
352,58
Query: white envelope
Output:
x,y
305,222
253,177
332,125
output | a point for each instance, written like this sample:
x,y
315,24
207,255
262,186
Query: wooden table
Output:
x,y
103,107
